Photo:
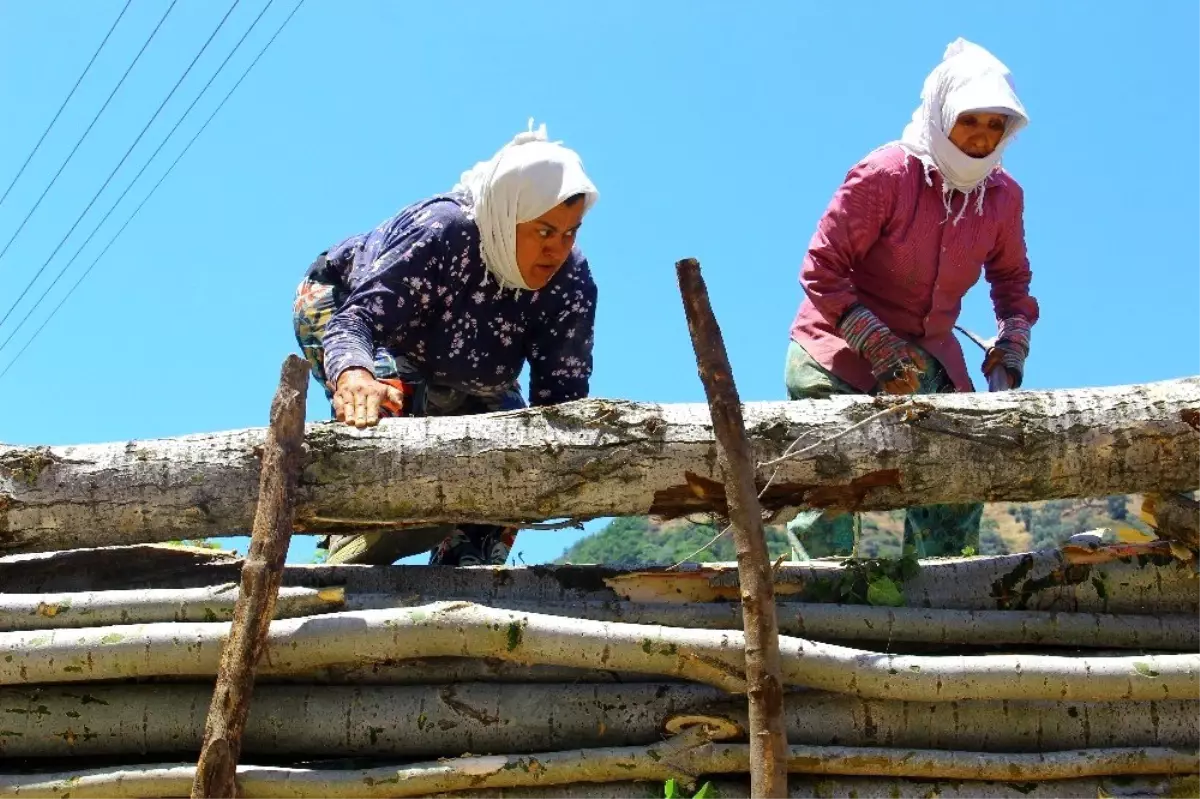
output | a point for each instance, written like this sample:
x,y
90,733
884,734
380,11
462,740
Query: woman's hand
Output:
x,y
896,365
358,398
905,376
906,382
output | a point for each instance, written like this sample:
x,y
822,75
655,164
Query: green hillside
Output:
x,y
1007,527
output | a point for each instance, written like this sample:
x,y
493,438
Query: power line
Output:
x,y
179,157
91,124
136,177
120,163
70,94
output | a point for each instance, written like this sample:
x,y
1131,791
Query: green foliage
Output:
x,y
867,581
671,790
884,591
1053,522
198,543
638,541
990,540
635,541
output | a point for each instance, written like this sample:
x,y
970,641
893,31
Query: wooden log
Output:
x,y
806,787
438,670
821,622
297,721
100,568
145,606
764,683
597,458
671,759
848,623
434,720
1047,580
1175,517
713,657
282,459
135,782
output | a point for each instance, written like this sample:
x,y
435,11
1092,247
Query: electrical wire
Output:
x,y
132,216
91,124
136,177
70,94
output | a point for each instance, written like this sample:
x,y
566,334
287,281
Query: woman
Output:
x,y
436,311
905,237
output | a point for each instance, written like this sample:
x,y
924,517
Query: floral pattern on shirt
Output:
x,y
417,284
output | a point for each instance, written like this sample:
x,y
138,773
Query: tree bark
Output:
x,y
427,721
711,657
1175,517
597,458
764,683
670,759
282,459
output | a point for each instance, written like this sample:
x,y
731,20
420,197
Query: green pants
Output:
x,y
934,530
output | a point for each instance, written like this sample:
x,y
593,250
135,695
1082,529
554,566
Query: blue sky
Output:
x,y
712,130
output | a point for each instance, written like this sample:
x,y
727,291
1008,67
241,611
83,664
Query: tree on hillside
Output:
x,y
638,540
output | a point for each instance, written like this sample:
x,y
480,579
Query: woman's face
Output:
x,y
543,244
978,133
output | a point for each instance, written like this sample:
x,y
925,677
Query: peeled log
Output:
x,y
442,719
596,458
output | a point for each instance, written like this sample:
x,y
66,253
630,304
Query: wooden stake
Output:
x,y
768,736
282,460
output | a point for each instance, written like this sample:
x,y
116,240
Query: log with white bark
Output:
x,y
810,620
670,759
439,670
1048,580
102,608
464,629
140,779
447,719
803,787
597,458
824,622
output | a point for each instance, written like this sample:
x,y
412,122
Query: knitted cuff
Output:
x,y
1012,340
1014,331
869,337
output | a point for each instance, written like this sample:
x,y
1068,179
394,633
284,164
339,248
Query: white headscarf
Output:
x,y
523,180
968,79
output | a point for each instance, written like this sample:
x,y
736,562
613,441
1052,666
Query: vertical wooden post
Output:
x,y
768,736
282,460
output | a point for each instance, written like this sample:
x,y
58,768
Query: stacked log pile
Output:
x,y
1072,672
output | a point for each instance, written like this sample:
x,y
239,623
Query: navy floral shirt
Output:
x,y
417,285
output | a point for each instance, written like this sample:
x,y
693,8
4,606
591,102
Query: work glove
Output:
x,y
1010,351
897,367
